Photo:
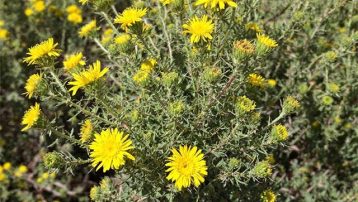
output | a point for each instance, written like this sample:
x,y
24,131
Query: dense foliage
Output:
x,y
169,100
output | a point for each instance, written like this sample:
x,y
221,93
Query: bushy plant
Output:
x,y
174,100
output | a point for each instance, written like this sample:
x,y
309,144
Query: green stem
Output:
x,y
57,80
109,22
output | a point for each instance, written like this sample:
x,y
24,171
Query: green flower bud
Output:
x,y
333,87
233,163
133,116
330,56
298,16
169,78
53,160
303,88
211,74
262,169
105,185
176,107
327,100
95,193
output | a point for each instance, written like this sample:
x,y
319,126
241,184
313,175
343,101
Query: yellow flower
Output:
x,y
244,104
243,48
107,35
186,167
109,149
290,104
2,176
31,116
3,34
94,192
87,28
216,3
268,196
166,2
253,26
256,80
73,9
39,6
148,65
86,131
141,77
271,83
266,41
279,132
87,76
22,169
122,39
32,83
75,18
199,28
74,14
130,16
7,166
39,51
73,61
28,12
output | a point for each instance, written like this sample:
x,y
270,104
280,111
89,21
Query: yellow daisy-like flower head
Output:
x,y
73,8
86,131
20,171
87,76
73,61
266,41
107,36
88,28
39,6
199,28
110,149
256,80
213,4
28,12
39,51
245,104
271,83
290,104
148,65
186,167
141,77
75,18
7,166
31,116
32,83
3,34
122,39
130,16
253,26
